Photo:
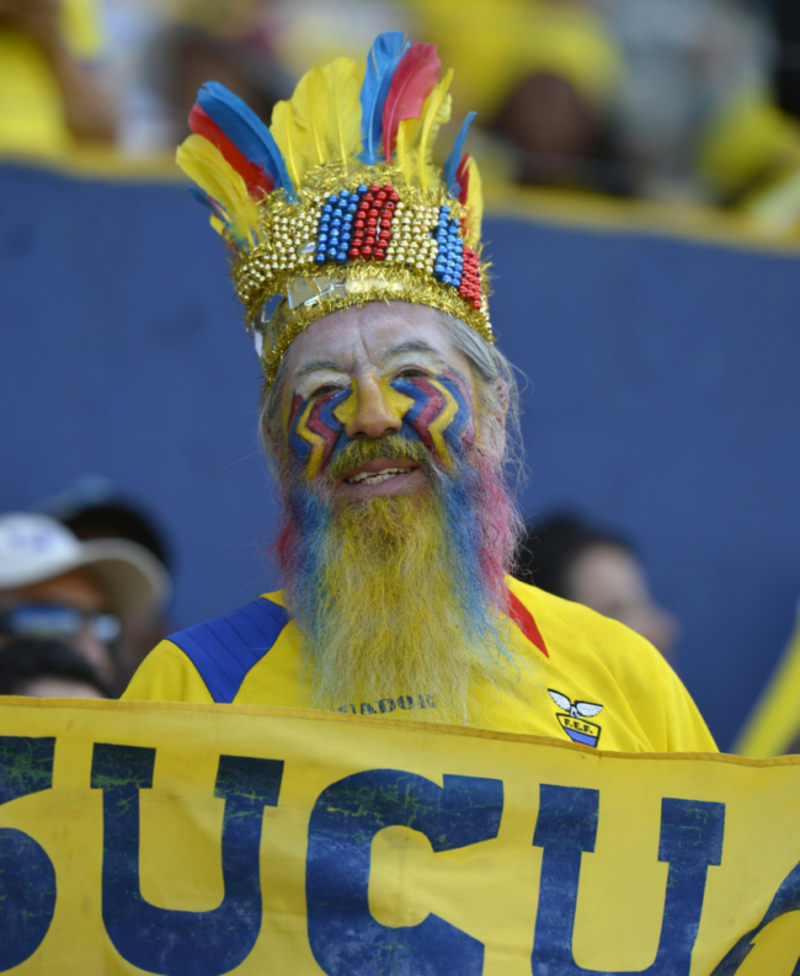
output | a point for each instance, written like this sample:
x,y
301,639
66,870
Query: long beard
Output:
x,y
401,599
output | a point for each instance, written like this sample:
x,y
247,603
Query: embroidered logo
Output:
x,y
574,722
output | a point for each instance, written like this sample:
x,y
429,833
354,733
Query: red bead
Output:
x,y
374,188
380,255
476,304
358,223
381,196
369,240
353,253
366,252
384,235
386,224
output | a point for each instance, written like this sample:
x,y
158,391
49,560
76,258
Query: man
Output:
x,y
54,586
389,416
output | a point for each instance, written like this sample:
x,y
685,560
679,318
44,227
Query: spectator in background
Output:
x,y
231,43
566,557
47,669
52,585
50,97
92,508
558,117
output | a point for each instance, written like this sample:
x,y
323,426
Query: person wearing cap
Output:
x,y
53,585
389,418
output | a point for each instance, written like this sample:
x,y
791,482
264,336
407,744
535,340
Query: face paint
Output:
x,y
435,410
441,414
314,430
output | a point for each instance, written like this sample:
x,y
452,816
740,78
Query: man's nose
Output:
x,y
373,415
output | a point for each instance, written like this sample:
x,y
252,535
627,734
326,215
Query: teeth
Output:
x,y
375,477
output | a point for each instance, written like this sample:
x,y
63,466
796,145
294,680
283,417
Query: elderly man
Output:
x,y
390,416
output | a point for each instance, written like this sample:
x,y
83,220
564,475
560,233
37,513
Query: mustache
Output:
x,y
387,446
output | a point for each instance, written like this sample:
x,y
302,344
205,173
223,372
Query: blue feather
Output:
x,y
382,61
452,162
246,131
209,202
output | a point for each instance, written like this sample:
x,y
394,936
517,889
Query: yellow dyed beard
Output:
x,y
389,622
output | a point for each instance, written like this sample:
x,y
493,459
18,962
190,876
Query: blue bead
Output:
x,y
336,222
333,198
341,257
445,209
331,253
344,194
319,259
362,189
447,280
352,208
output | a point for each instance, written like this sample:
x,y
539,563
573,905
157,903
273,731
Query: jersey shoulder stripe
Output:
x,y
225,649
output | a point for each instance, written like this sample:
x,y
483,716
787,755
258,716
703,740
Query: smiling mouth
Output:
x,y
376,477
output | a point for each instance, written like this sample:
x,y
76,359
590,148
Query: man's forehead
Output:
x,y
376,333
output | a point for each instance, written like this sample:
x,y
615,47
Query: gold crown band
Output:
x,y
284,287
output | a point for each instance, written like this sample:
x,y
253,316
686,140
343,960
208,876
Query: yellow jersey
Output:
x,y
583,677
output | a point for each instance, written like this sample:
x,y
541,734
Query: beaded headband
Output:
x,y
338,203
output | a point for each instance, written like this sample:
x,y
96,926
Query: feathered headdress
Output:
x,y
339,202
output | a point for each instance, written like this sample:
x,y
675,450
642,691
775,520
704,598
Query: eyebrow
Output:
x,y
318,364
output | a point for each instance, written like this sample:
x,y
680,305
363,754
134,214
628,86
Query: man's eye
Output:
x,y
411,372
325,390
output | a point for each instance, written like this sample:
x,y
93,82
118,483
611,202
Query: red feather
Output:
x,y
462,178
413,81
258,182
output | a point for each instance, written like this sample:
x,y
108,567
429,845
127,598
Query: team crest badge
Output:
x,y
574,722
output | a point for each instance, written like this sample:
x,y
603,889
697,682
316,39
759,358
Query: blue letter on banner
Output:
x,y
27,877
177,943
691,839
344,937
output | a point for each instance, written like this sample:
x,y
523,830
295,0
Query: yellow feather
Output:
x,y
291,139
318,106
407,133
322,121
344,78
205,164
435,114
473,204
308,151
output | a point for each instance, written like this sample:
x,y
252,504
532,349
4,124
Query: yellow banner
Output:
x,y
200,840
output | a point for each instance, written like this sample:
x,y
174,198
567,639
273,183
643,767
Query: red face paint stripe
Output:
x,y
523,618
297,403
317,425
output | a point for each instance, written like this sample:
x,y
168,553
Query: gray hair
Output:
x,y
498,395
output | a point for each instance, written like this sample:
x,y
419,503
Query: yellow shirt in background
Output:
x,y
589,680
31,111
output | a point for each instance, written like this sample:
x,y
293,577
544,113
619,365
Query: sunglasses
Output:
x,y
57,621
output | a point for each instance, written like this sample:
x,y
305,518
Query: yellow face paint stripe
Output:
x,y
317,443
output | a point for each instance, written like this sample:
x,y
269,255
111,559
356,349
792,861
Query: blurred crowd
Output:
x,y
678,100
